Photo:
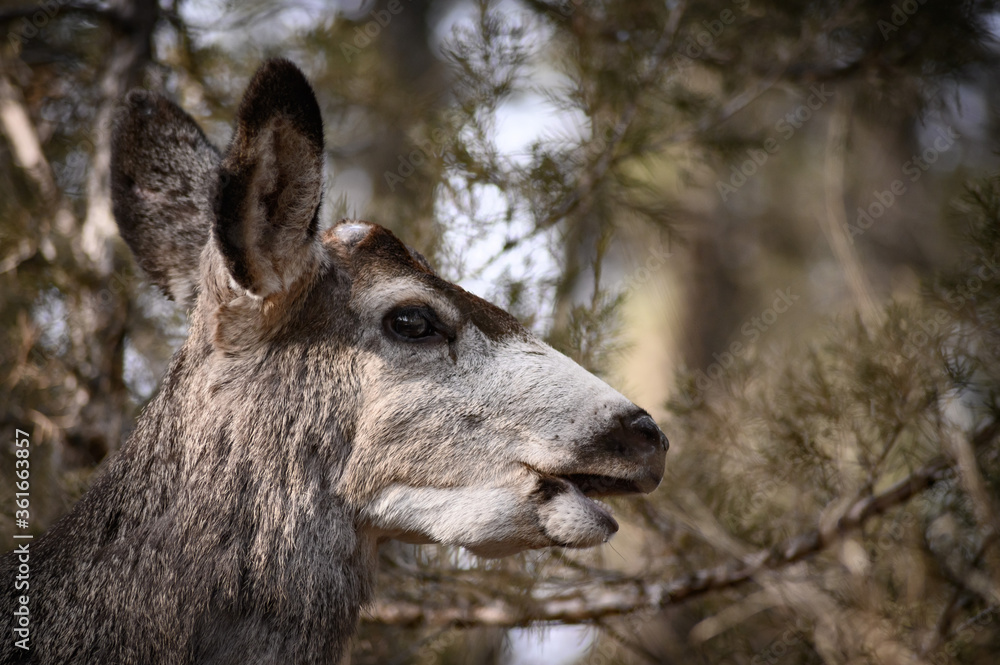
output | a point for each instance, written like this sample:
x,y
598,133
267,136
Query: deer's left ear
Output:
x,y
271,184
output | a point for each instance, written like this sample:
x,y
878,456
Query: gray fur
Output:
x,y
294,429
164,213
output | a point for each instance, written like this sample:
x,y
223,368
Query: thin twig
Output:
x,y
834,221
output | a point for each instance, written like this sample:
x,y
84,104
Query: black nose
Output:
x,y
628,457
641,449
644,432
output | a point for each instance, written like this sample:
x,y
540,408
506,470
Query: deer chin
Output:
x,y
572,519
569,511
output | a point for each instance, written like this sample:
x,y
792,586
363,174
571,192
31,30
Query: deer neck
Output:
x,y
230,518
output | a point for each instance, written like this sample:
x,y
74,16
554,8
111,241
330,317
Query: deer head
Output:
x,y
342,358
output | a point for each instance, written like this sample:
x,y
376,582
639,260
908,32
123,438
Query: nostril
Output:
x,y
643,425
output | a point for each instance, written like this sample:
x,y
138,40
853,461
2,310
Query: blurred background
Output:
x,y
773,224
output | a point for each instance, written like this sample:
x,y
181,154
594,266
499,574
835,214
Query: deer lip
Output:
x,y
595,485
553,491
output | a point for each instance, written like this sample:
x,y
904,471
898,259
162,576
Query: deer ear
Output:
x,y
271,183
163,173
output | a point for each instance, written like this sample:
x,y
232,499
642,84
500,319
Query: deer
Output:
x,y
333,392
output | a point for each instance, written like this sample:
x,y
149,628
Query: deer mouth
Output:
x,y
593,485
570,510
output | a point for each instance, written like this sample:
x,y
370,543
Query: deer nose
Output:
x,y
644,446
645,432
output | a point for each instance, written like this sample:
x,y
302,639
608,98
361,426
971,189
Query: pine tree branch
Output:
x,y
589,179
589,603
579,200
26,147
98,313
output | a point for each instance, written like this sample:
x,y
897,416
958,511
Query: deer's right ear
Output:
x,y
163,173
271,183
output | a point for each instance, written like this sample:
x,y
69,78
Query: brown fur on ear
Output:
x,y
243,323
270,183
163,171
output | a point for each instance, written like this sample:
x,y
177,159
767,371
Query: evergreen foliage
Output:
x,y
775,224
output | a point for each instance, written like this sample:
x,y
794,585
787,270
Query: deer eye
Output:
x,y
414,324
